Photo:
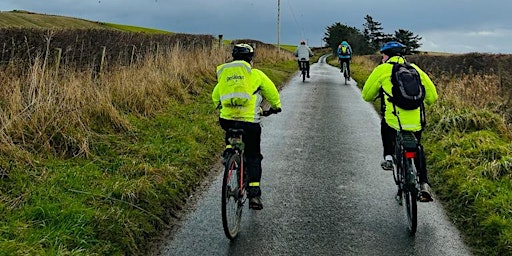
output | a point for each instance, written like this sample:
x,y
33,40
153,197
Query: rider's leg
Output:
x,y
388,140
253,157
421,163
300,66
307,68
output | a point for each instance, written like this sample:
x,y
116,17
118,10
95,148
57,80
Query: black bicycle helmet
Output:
x,y
243,52
392,48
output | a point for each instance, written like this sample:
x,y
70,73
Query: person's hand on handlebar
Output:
x,y
271,111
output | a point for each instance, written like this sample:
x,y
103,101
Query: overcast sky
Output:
x,y
456,26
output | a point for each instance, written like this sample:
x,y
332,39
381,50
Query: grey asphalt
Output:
x,y
324,192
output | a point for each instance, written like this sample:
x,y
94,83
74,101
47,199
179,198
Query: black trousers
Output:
x,y
252,150
306,62
388,136
347,60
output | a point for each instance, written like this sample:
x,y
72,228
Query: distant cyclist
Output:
x,y
303,52
344,56
239,92
410,120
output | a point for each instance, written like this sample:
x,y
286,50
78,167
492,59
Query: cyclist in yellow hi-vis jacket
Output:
x,y
239,92
409,120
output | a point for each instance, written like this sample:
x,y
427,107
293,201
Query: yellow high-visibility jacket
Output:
x,y
243,106
381,77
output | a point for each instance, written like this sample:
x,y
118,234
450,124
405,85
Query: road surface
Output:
x,y
324,192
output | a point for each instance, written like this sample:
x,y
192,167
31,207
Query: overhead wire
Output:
x,y
299,26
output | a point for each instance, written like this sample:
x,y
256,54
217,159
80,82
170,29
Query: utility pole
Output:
x,y
278,26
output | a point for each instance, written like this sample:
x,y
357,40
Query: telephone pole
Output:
x,y
278,26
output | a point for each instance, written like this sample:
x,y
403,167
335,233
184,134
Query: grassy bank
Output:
x,y
101,166
469,155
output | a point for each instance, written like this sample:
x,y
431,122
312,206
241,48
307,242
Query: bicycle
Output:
x,y
345,72
405,174
303,68
234,182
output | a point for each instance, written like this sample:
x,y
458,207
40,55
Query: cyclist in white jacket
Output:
x,y
303,53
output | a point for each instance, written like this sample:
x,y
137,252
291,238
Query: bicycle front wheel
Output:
x,y
410,196
232,196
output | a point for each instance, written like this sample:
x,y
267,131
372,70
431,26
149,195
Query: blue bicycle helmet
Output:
x,y
392,48
243,52
344,43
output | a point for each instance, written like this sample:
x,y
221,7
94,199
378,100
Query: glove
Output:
x,y
277,110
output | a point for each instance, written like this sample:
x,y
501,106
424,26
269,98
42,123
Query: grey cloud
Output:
x,y
442,24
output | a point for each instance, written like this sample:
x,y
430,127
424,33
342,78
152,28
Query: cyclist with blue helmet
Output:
x,y
410,120
239,92
344,53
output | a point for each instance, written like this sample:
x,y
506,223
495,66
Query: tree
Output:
x,y
410,40
338,32
372,31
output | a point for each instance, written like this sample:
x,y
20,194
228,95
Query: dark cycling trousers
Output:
x,y
346,60
252,151
388,136
307,66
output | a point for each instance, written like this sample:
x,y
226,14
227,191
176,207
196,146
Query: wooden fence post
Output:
x,y
102,59
132,55
58,56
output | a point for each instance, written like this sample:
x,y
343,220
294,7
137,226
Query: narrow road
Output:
x,y
324,192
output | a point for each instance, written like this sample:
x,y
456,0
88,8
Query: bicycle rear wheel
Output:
x,y
304,71
345,72
410,196
232,197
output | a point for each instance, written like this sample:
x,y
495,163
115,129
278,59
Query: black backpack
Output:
x,y
408,91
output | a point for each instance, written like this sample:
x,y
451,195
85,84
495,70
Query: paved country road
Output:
x,y
324,192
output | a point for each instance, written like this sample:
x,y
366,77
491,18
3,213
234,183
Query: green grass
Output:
x,y
126,192
35,20
27,19
114,203
136,29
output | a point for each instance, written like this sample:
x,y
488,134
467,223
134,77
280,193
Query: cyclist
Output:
x,y
242,110
410,120
344,53
303,52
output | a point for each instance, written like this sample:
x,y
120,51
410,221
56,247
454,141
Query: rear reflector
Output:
x,y
409,154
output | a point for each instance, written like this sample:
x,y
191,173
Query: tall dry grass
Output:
x,y
44,111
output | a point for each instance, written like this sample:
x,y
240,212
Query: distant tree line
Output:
x,y
370,39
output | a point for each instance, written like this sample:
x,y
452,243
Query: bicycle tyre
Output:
x,y
303,72
410,196
345,72
232,197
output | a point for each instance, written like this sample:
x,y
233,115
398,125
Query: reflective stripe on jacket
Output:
x,y
262,87
381,77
